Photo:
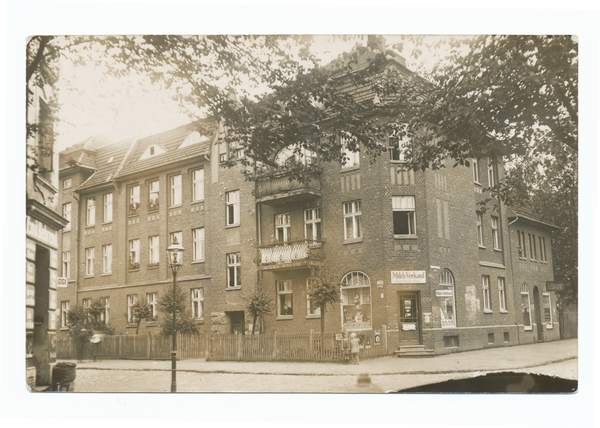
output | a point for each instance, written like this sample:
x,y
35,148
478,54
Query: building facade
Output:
x,y
412,253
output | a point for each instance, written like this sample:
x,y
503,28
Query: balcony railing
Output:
x,y
288,252
282,185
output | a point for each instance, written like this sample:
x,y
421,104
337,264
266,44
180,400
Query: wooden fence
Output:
x,y
297,347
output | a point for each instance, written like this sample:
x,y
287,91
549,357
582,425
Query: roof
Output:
x,y
105,170
529,214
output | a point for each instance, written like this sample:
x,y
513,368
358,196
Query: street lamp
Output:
x,y
175,255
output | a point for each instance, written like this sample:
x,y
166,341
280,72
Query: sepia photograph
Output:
x,y
358,213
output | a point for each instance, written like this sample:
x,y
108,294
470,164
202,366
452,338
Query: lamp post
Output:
x,y
175,255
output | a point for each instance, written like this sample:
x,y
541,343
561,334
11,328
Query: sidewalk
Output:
x,y
505,358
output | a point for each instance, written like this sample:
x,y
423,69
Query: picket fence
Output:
x,y
290,347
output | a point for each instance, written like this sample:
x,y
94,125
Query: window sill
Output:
x,y
232,226
318,316
527,328
106,222
106,274
88,276
172,207
284,318
549,327
449,326
195,262
64,329
477,182
503,311
482,247
133,270
234,288
131,325
498,250
199,201
394,161
152,211
66,230
151,323
352,241
89,226
199,320
405,236
488,311
153,266
133,215
350,168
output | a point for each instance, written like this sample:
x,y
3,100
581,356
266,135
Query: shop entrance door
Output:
x,y
410,318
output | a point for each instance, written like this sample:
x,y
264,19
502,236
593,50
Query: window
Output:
x,y
292,155
446,300
86,303
284,298
543,257
495,235
530,247
89,261
134,254
91,212
198,185
525,306
153,243
134,200
198,245
66,264
476,171
491,339
356,300
450,341
232,200
352,218
534,248
131,298
153,194
282,227
547,311
490,172
176,237
152,300
312,224
175,190
197,303
524,245
351,158
193,138
107,258
520,244
104,315
222,157
506,337
397,144
152,150
487,304
64,314
67,215
502,294
67,183
108,207
311,309
404,215
234,274
480,230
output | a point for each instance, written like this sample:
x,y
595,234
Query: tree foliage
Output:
x,y
324,291
83,322
258,303
141,310
184,322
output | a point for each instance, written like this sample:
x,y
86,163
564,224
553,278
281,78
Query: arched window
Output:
x,y
445,298
292,155
526,306
356,301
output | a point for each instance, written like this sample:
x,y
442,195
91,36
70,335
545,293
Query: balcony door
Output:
x,y
282,227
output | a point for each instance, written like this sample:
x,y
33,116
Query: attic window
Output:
x,y
110,159
193,138
153,150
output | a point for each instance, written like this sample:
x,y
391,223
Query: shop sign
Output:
x,y
380,284
30,250
30,296
443,293
377,337
553,286
408,277
409,327
29,318
30,272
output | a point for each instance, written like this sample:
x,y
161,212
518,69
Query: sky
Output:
x,y
136,108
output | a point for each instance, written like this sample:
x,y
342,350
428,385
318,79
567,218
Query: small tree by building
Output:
x,y
258,303
323,290
83,322
184,322
141,311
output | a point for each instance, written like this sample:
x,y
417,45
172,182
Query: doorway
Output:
x,y
409,318
538,314
236,320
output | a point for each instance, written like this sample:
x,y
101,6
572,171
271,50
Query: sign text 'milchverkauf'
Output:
x,y
408,277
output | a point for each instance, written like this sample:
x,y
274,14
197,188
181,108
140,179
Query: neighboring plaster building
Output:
x,y
412,253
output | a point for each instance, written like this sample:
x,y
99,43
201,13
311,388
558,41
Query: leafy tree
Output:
x,y
84,322
184,323
142,310
258,303
323,290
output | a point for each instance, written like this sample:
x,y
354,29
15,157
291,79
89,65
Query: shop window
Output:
x,y
502,294
285,308
450,341
134,200
547,310
234,273
356,301
198,244
197,303
487,303
107,258
107,207
352,220
66,213
153,195
134,254
89,261
282,227
446,299
90,218
66,264
152,299
64,314
175,196
198,185
311,309
105,314
131,298
232,201
404,216
480,230
495,234
526,306
475,171
312,224
153,250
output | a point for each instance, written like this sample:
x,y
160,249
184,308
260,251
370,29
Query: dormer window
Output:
x,y
193,138
153,150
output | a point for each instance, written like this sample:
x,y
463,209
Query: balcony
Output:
x,y
275,188
298,254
